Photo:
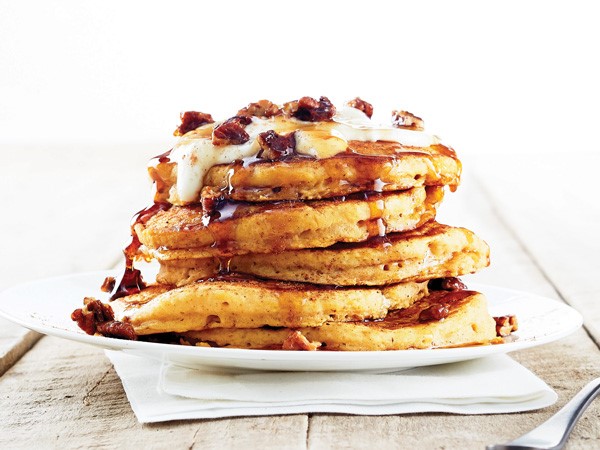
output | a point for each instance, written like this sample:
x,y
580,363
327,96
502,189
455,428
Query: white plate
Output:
x,y
46,306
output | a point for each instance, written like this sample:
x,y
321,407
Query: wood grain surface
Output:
x,y
61,394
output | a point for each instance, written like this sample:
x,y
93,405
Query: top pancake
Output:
x,y
365,166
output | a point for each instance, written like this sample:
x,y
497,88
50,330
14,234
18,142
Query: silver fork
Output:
x,y
553,433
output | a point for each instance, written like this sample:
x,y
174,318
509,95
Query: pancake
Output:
x,y
274,227
365,166
300,226
432,251
442,319
248,303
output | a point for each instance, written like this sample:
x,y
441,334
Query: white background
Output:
x,y
488,77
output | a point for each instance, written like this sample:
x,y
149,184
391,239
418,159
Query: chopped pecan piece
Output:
x,y
276,146
297,341
361,105
92,313
308,109
262,108
446,284
119,330
101,311
85,321
505,325
108,285
404,119
232,132
190,120
211,200
437,311
97,317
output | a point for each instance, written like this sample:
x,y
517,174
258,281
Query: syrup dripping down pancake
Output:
x,y
365,166
278,226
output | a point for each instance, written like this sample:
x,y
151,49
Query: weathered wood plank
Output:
x,y
67,395
15,341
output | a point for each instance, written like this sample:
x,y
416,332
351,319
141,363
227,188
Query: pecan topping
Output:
x,y
446,284
404,119
262,108
308,109
276,146
119,330
92,313
232,132
97,317
190,120
361,105
505,325
108,285
84,321
297,341
437,311
211,200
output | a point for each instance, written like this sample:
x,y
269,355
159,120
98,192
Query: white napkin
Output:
x,y
496,384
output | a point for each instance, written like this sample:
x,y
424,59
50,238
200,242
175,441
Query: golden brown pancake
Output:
x,y
248,303
365,166
432,251
299,227
274,227
463,320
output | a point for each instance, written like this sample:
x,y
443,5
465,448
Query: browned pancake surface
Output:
x,y
442,319
242,302
274,227
366,166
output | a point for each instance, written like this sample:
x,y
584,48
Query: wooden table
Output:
x,y
67,210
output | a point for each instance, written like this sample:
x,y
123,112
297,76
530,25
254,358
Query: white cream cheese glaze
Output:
x,y
194,153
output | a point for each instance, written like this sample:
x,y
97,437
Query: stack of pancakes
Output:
x,y
300,227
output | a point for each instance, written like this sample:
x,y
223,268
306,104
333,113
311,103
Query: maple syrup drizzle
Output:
x,y
412,315
369,174
224,265
226,208
372,168
131,281
223,230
